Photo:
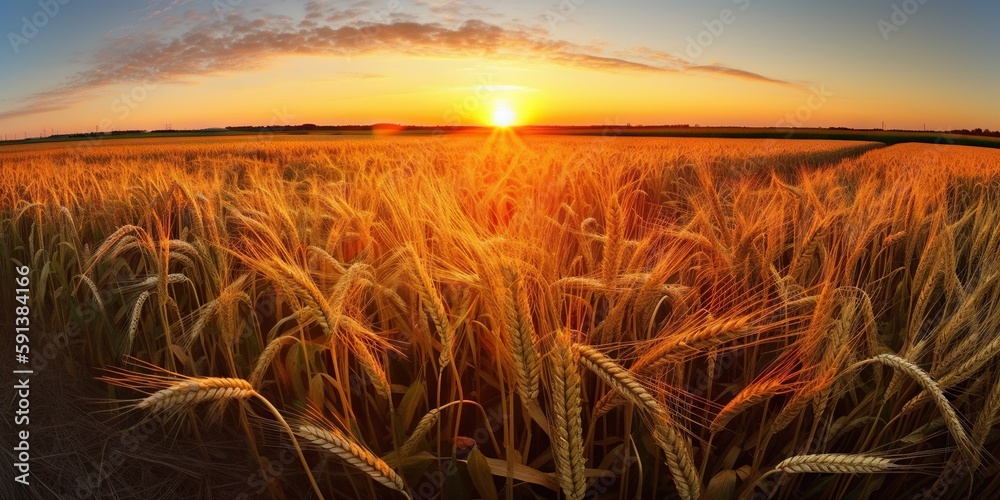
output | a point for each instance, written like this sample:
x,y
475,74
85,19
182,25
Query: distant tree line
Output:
x,y
977,131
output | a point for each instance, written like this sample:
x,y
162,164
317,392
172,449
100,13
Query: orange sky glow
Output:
x,y
198,64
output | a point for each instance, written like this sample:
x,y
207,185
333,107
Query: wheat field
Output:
x,y
511,317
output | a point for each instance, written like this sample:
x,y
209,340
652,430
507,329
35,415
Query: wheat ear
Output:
x,y
667,437
566,408
419,432
198,390
620,379
753,394
267,355
835,463
679,460
133,324
934,391
521,333
333,441
709,336
434,307
829,463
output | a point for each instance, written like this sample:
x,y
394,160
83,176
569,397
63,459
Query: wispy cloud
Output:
x,y
451,10
211,45
738,73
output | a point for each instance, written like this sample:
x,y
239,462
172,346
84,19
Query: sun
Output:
x,y
503,115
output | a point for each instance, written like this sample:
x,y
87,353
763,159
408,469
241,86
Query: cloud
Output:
x,y
321,11
738,73
152,11
233,43
451,10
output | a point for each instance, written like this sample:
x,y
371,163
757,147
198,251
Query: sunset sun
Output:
x,y
503,115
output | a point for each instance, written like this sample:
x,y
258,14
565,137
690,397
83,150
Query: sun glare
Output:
x,y
503,115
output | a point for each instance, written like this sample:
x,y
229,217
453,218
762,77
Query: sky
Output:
x,y
76,65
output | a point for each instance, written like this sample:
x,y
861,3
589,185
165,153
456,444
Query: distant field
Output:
x,y
510,316
888,137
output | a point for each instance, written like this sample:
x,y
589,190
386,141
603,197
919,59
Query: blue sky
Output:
x,y
117,64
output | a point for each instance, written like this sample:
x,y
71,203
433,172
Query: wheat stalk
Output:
x,y
679,459
835,463
110,242
206,313
265,358
609,401
566,408
94,293
611,254
333,441
933,391
133,324
893,238
198,390
812,244
793,409
987,415
712,335
830,463
623,382
373,368
326,257
521,333
667,437
434,307
748,397
419,432
300,285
